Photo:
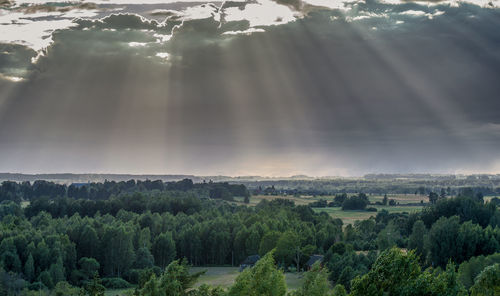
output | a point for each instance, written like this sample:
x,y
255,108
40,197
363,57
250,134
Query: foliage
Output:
x,y
417,238
175,281
261,280
356,202
469,270
315,282
398,273
131,236
95,287
487,282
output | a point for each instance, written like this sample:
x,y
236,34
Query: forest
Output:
x,y
83,239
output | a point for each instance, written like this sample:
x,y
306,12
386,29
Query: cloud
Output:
x,y
217,88
15,60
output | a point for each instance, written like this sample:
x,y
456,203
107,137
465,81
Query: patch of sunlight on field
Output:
x,y
400,198
349,217
255,199
225,277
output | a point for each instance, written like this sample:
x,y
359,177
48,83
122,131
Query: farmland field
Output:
x,y
405,203
349,217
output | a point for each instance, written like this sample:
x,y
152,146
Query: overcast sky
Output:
x,y
256,87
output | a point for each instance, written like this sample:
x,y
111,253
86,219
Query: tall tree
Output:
x,y
29,268
433,197
164,249
417,238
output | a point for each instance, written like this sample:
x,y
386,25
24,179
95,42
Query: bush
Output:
x,y
371,209
115,283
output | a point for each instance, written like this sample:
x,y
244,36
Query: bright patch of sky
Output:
x,y
262,13
481,3
332,4
35,30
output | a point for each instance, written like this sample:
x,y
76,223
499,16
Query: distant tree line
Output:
x,y
102,191
329,187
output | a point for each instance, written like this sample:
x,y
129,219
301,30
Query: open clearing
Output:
x,y
225,277
222,277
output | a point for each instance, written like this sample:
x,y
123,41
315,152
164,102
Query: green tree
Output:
x,y
206,290
433,197
29,268
487,282
385,200
396,272
144,258
57,271
286,248
468,271
164,249
95,287
339,290
388,237
261,280
315,282
175,281
10,261
417,238
445,241
393,270
268,242
151,288
65,289
118,249
88,242
88,266
46,279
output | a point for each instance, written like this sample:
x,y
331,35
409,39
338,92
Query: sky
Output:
x,y
262,87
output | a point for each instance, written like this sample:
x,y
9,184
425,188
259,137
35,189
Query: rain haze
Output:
x,y
271,88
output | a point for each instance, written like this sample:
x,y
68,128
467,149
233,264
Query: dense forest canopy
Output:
x,y
141,233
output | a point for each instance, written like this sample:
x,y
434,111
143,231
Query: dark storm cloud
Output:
x,y
381,87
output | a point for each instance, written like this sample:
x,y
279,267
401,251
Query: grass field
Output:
x,y
349,217
225,277
221,277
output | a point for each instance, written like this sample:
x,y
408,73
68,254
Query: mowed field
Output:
x,y
349,217
225,277
220,277
405,203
